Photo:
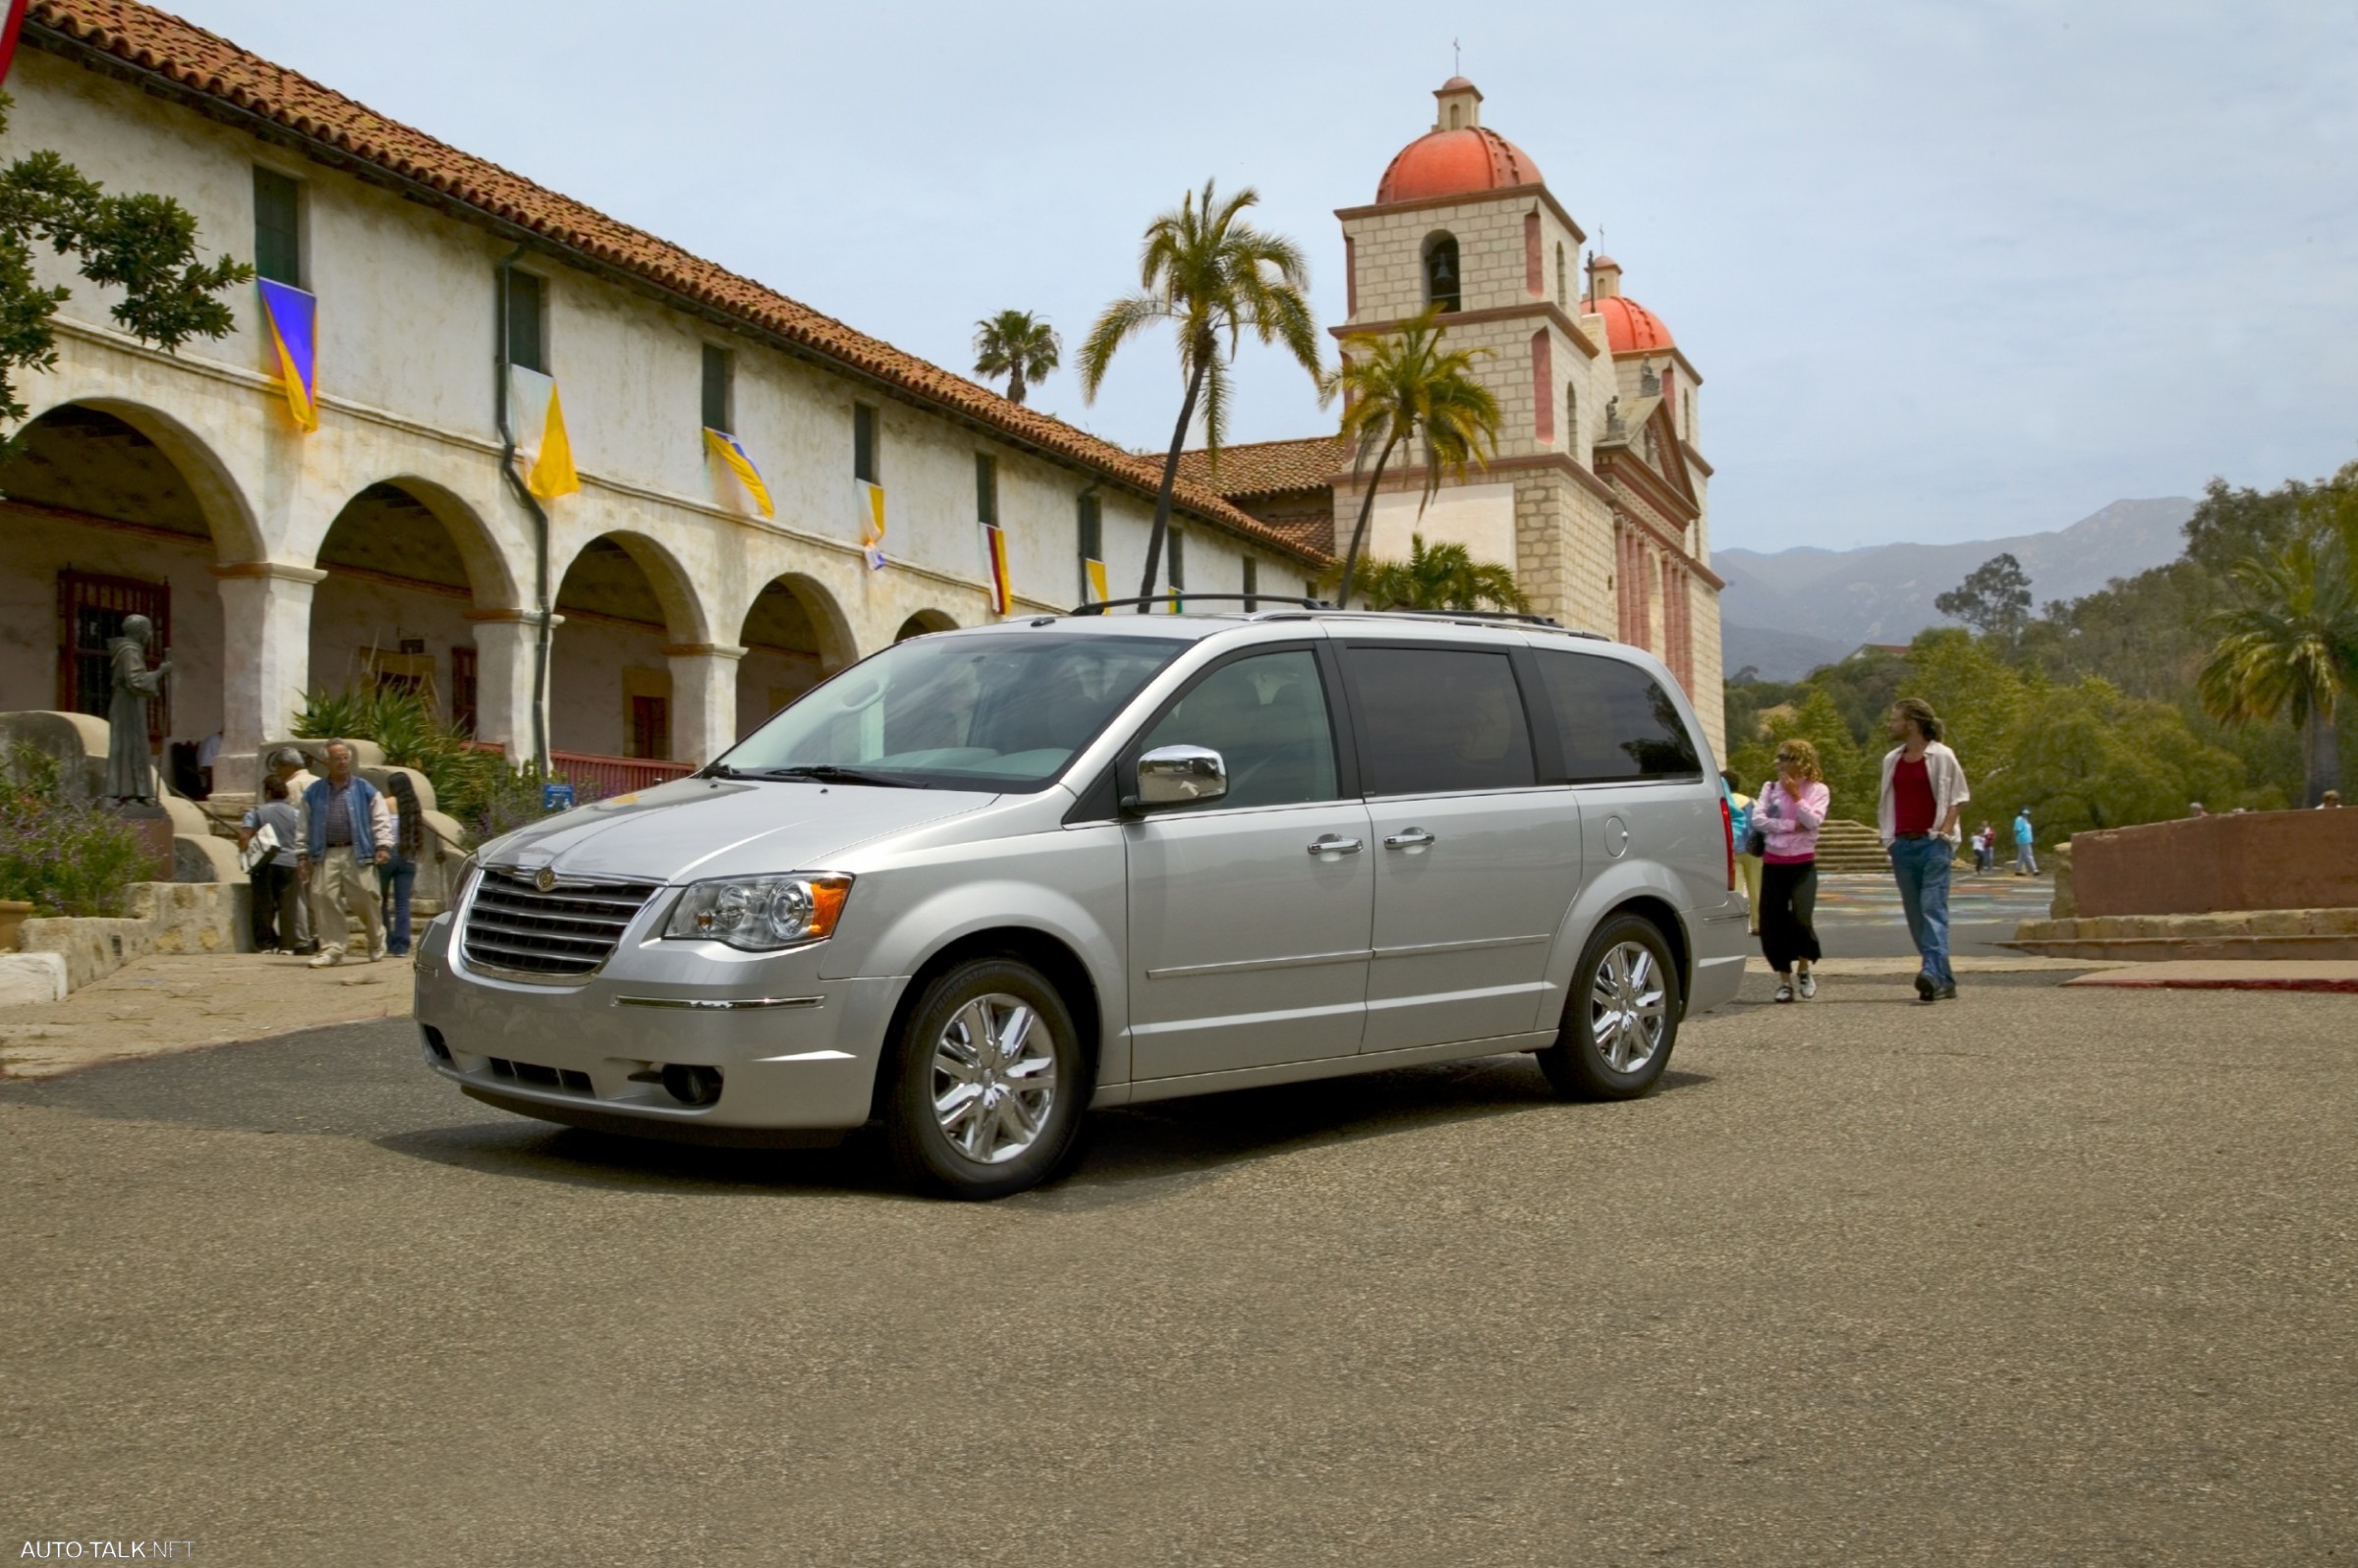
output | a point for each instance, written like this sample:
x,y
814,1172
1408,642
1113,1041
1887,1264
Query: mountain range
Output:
x,y
1787,612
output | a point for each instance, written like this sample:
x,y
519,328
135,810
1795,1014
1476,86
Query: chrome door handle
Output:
x,y
1329,844
1414,838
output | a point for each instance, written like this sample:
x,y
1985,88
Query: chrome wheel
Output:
x,y
995,1078
1628,1007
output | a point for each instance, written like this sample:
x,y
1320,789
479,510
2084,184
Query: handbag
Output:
x,y
259,849
1755,842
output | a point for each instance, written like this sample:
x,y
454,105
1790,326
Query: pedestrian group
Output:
x,y
327,855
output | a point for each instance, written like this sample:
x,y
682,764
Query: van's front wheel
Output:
x,y
988,1082
1622,1018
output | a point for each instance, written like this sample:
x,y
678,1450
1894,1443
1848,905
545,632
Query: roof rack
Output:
x,y
1100,606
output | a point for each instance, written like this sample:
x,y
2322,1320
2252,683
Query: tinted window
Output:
x,y
1439,719
997,713
1616,722
1267,717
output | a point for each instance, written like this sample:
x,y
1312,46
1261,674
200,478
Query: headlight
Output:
x,y
761,913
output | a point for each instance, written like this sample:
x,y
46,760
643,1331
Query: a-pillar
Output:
x,y
704,701
506,655
266,660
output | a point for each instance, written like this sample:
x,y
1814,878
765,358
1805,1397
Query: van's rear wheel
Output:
x,y
988,1082
1622,1018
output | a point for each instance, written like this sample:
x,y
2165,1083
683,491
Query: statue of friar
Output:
x,y
129,768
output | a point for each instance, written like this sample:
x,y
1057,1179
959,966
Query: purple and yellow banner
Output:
x,y
730,451
293,317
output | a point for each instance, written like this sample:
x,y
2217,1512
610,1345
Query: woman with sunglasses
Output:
x,y
1789,811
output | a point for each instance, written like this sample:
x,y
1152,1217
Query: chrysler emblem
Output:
x,y
545,880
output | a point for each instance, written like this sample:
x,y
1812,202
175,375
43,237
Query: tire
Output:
x,y
1625,997
1019,1124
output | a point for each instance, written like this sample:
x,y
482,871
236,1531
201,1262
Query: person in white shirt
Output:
x,y
1924,793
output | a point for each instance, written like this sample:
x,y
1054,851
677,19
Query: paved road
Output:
x,y
1859,917
2042,1277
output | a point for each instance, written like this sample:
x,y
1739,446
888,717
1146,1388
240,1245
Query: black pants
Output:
x,y
274,898
1789,914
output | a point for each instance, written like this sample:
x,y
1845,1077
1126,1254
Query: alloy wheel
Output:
x,y
995,1078
1628,1007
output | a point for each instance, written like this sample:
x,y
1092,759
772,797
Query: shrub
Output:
x,y
63,858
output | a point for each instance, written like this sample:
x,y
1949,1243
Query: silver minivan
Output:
x,y
985,881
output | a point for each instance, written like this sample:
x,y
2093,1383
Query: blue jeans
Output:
x,y
397,877
1921,866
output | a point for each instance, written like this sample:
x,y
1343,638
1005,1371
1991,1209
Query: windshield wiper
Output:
x,y
829,773
720,770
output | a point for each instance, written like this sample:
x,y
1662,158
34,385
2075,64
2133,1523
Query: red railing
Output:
x,y
600,777
608,776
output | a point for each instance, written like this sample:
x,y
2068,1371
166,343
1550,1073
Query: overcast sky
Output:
x,y
1948,270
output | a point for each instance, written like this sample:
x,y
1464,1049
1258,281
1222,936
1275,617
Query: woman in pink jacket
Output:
x,y
1789,812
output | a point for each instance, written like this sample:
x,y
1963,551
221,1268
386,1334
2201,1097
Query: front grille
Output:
x,y
563,934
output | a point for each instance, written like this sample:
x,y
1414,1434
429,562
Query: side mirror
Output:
x,y
1181,775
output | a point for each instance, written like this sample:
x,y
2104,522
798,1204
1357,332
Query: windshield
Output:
x,y
1001,713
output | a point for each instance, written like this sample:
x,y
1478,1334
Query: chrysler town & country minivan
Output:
x,y
986,880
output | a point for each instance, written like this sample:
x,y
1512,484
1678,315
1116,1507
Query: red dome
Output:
x,y
1460,162
1628,326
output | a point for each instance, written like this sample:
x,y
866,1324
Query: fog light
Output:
x,y
691,1085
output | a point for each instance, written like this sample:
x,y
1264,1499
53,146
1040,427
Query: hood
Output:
x,y
723,827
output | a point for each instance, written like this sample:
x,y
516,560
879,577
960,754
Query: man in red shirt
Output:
x,y
1924,793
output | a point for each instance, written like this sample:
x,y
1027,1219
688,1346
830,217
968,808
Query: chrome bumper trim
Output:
x,y
702,1004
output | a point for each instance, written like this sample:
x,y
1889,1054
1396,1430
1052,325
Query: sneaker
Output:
x,y
1926,988
1784,992
329,958
1947,993
1809,983
376,955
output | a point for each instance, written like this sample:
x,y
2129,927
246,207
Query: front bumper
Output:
x,y
795,1052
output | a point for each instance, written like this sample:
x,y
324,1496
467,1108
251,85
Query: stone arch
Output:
x,y
220,499
627,611
113,508
409,572
795,633
922,622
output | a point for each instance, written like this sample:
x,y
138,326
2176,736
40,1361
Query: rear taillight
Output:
x,y
1727,831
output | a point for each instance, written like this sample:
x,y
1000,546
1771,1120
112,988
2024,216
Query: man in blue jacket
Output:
x,y
347,837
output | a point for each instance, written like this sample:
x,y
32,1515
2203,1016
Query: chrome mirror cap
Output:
x,y
1181,775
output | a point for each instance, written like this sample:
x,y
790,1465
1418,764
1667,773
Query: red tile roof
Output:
x,y
1267,468
154,44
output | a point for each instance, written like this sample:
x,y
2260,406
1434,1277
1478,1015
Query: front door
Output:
x,y
1475,862
1249,915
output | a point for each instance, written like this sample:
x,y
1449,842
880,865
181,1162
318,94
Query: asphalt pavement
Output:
x,y
2042,1276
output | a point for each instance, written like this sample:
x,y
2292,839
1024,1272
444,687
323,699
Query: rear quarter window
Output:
x,y
1617,723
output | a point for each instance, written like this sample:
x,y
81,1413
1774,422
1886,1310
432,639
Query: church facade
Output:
x,y
1597,495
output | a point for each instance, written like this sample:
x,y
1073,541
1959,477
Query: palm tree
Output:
x,y
1211,276
1402,387
2288,649
1440,577
1018,346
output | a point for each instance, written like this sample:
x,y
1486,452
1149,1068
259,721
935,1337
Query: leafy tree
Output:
x,y
2094,759
144,246
1212,276
1018,346
2288,649
1440,577
1981,699
1405,386
1996,598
